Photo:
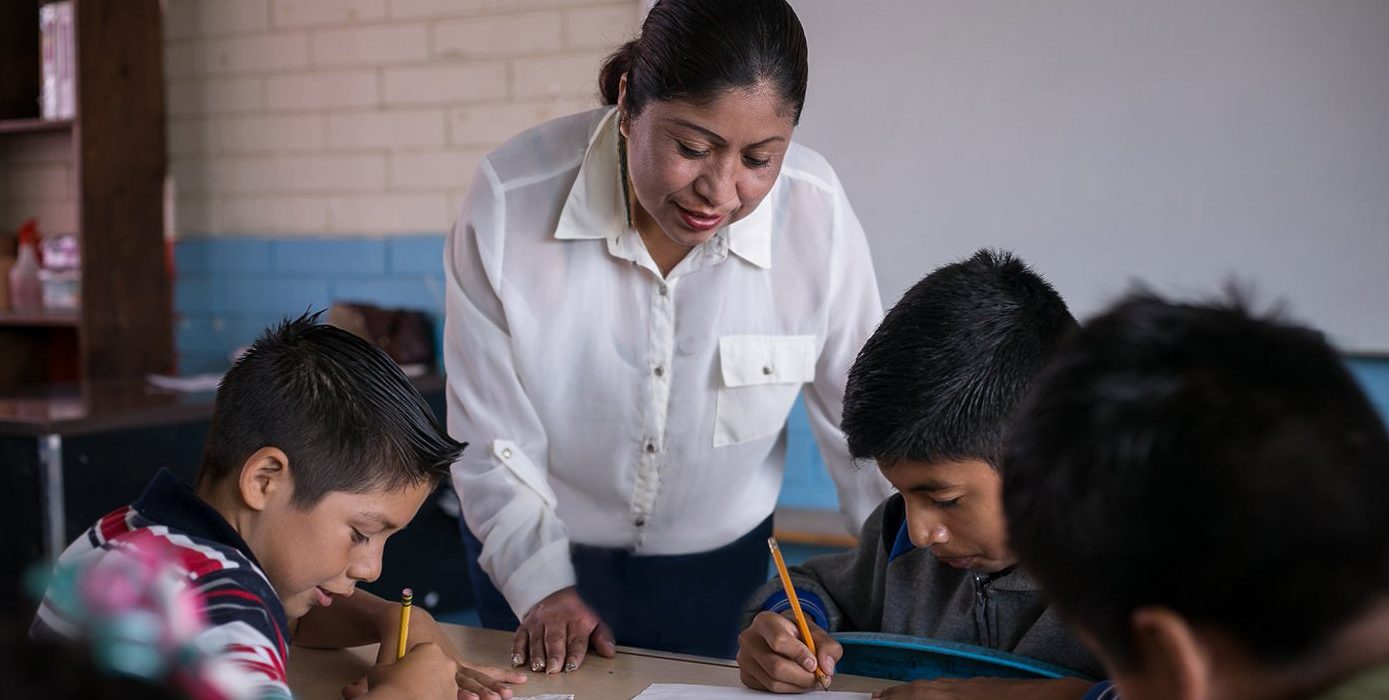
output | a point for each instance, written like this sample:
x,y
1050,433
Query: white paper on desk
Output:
x,y
674,691
548,696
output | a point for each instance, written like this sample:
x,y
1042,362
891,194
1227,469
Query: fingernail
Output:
x,y
828,668
537,665
516,660
571,666
808,663
554,666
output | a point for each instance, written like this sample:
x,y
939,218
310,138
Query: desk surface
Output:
x,y
320,675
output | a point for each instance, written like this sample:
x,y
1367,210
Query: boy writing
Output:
x,y
1202,492
929,399
318,451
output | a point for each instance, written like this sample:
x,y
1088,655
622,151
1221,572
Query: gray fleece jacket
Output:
x,y
885,584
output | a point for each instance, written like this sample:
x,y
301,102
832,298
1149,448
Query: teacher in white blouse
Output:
x,y
635,297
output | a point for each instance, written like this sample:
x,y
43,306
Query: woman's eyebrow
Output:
x,y
719,140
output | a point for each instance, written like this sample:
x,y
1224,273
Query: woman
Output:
x,y
636,295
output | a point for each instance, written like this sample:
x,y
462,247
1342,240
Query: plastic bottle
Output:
x,y
26,292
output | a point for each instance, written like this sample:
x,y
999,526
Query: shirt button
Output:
x,y
651,447
660,371
767,370
665,291
641,522
506,454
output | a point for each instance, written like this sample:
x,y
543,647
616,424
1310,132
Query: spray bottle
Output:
x,y
26,293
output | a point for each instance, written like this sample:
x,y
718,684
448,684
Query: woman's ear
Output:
x,y
622,125
1170,660
265,477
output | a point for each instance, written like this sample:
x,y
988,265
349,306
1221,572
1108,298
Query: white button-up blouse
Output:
x,y
609,406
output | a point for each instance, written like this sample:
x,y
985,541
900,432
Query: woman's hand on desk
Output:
x,y
560,627
772,657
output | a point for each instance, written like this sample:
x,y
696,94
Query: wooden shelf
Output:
x,y
50,319
34,126
116,141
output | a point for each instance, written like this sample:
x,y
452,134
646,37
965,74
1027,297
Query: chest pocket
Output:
x,y
760,378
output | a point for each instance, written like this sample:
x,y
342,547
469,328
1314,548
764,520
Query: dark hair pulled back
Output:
x,y
695,50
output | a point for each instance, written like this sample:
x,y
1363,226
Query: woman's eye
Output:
x,y
358,537
690,152
947,504
757,162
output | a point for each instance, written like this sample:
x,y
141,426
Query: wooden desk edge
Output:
x,y
318,673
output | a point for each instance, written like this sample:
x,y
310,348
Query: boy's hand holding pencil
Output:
x,y
785,653
411,628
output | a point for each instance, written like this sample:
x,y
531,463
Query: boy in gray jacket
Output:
x,y
929,400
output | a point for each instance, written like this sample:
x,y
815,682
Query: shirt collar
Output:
x,y
750,238
170,502
594,208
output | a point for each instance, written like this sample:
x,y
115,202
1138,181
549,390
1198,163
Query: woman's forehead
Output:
x,y
736,111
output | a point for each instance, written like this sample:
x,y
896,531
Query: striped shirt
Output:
x,y
246,625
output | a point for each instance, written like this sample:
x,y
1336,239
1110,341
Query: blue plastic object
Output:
x,y
904,658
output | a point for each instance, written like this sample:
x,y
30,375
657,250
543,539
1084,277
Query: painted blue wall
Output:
x,y
229,289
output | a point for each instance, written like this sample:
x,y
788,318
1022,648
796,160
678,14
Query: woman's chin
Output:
x,y
686,238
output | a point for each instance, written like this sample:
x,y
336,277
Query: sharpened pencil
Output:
x,y
820,676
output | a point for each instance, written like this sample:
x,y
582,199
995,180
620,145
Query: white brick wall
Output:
x,y
354,117
322,90
446,83
492,37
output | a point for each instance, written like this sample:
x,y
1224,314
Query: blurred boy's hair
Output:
x,y
1202,459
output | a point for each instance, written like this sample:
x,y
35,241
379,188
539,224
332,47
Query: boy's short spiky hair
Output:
x,y
942,375
1200,458
340,409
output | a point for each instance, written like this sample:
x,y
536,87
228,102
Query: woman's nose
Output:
x,y
716,185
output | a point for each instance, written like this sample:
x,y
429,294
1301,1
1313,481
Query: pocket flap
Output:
x,y
767,359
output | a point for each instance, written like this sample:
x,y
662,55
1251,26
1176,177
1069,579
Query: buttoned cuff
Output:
x,y
545,572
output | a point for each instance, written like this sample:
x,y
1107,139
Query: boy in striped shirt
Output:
x,y
318,451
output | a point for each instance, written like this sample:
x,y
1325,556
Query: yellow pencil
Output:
x,y
796,609
407,598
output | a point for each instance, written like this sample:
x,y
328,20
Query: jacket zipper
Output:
x,y
982,582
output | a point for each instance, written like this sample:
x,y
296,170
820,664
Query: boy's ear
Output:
x,y
264,477
1169,656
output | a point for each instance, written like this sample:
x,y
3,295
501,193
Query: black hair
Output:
x,y
942,375
695,50
340,409
1200,458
